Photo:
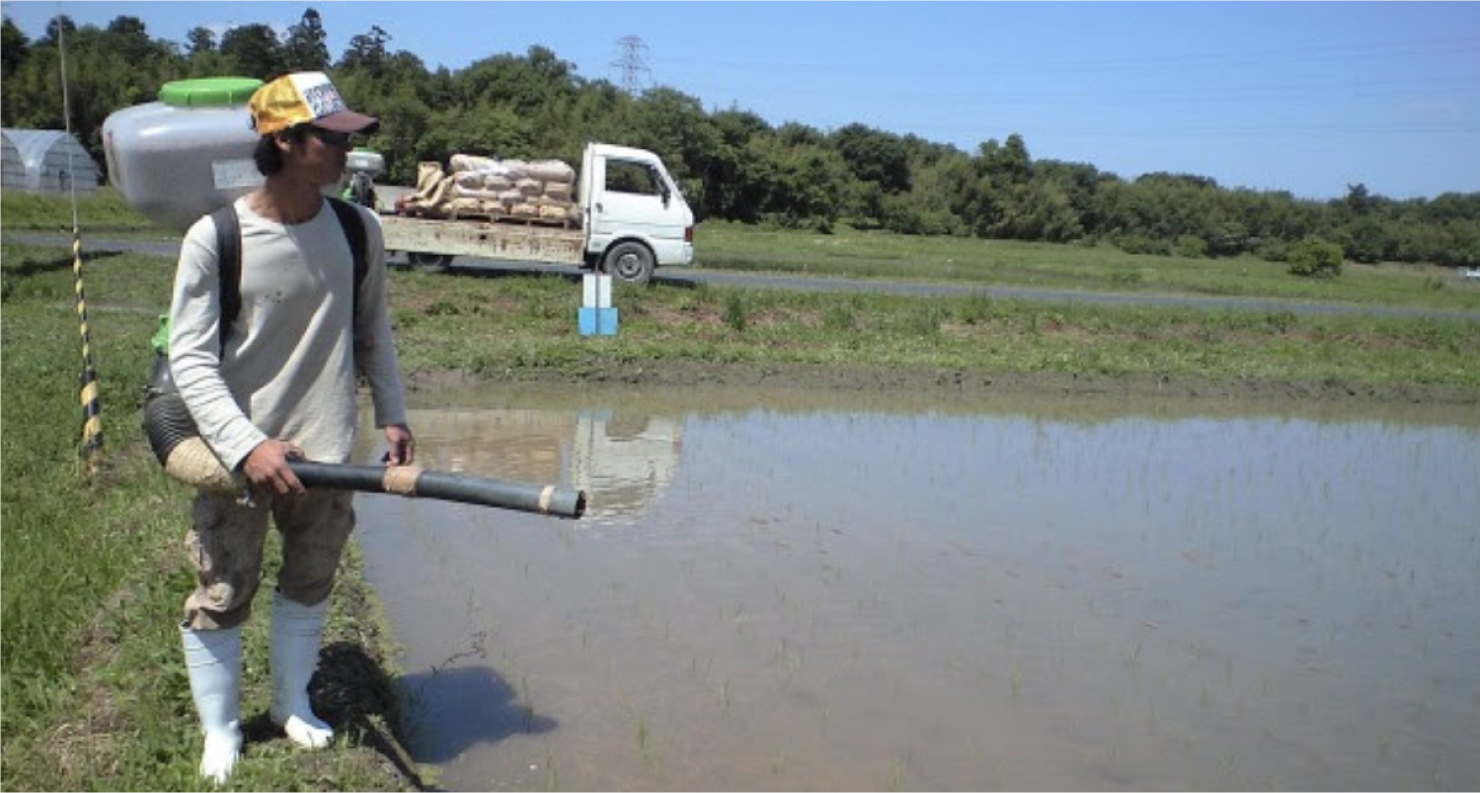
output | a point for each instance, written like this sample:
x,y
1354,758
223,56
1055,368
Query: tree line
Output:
x,y
730,163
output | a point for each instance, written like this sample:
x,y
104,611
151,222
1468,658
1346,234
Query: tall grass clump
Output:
x,y
925,319
736,312
839,317
976,309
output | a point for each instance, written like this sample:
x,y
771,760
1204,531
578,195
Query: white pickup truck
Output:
x,y
633,220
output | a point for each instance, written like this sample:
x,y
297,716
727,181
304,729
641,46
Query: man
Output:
x,y
280,385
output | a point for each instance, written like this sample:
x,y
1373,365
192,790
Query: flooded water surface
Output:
x,y
791,591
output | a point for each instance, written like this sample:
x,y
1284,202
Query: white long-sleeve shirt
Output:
x,y
289,368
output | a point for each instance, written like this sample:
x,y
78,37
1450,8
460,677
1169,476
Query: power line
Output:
x,y
633,62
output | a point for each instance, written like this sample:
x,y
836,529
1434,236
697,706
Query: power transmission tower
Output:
x,y
633,62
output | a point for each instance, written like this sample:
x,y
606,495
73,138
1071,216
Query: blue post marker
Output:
x,y
598,317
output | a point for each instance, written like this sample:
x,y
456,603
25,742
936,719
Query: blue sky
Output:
x,y
1307,97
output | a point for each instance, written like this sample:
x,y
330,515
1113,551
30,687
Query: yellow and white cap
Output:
x,y
305,98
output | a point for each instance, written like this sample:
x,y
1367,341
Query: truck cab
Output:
x,y
635,216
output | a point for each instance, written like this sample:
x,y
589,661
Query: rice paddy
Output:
x,y
803,592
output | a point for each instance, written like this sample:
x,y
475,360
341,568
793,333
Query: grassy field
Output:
x,y
94,693
851,253
104,213
503,327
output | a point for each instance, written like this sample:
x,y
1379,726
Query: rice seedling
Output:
x,y
552,773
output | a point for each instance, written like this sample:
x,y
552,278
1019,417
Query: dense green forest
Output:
x,y
731,163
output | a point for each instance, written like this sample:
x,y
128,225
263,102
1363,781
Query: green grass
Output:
x,y
850,253
513,326
104,212
93,685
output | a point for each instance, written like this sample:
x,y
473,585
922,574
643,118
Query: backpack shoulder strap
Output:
x,y
229,265
354,231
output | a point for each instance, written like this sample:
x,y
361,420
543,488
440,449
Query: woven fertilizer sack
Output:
x,y
550,171
552,212
524,211
428,174
470,163
511,197
463,206
434,190
497,182
557,190
470,180
514,169
529,187
481,195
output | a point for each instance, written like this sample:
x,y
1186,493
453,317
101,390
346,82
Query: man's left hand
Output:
x,y
401,447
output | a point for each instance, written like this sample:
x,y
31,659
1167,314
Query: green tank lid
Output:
x,y
209,91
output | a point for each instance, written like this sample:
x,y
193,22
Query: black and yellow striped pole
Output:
x,y
92,406
87,391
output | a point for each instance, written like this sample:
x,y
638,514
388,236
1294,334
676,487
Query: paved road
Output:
x,y
680,276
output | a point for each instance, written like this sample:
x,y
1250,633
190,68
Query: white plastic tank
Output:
x,y
365,161
188,153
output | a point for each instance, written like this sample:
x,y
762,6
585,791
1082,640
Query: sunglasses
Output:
x,y
330,137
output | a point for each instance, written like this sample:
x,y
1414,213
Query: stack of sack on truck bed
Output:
x,y
484,187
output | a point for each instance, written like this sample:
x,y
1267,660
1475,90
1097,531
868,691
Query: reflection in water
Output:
x,y
622,462
864,595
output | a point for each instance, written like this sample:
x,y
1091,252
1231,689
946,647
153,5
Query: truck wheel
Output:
x,y
631,262
429,262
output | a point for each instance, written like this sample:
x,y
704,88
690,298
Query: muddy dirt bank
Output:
x,y
930,380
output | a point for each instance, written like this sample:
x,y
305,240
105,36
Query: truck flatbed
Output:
x,y
489,239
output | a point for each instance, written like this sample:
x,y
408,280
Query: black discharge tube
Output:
x,y
482,491
170,429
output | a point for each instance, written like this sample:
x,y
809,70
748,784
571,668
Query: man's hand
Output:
x,y
267,470
401,447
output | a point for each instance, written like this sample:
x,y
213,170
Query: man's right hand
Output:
x,y
266,468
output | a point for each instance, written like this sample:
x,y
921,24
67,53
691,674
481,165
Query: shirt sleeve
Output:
x,y
195,349
375,346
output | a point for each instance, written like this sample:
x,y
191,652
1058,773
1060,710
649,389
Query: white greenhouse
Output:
x,y
47,161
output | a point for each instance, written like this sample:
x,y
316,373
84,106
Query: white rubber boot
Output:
x,y
214,660
296,629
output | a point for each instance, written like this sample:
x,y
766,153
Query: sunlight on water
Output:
x,y
774,591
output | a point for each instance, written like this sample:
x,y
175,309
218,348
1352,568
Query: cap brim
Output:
x,y
348,121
